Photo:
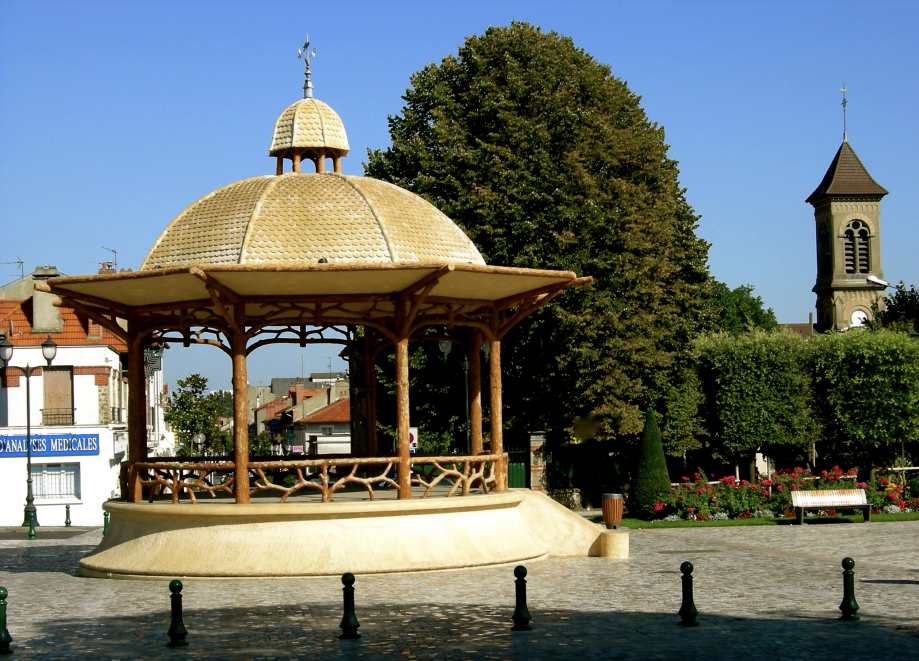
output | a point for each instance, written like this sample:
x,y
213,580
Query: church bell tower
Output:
x,y
847,211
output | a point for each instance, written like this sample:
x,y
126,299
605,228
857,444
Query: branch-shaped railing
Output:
x,y
326,474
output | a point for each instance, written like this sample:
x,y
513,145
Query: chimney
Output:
x,y
45,317
296,393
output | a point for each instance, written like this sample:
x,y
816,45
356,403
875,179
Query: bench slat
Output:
x,y
829,498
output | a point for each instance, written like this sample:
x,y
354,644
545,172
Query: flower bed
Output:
x,y
698,499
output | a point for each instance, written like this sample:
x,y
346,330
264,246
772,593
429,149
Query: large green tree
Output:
x,y
738,310
547,160
192,410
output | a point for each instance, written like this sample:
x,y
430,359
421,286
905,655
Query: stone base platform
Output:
x,y
226,540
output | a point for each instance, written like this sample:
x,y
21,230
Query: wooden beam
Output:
x,y
475,393
240,407
85,298
402,409
211,282
495,412
370,399
426,280
137,411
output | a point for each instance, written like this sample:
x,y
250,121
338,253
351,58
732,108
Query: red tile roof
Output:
x,y
78,330
339,411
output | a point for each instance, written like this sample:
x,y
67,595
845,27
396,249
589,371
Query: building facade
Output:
x,y
77,412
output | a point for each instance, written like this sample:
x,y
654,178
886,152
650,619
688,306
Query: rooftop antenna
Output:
x,y
18,261
306,55
114,259
845,102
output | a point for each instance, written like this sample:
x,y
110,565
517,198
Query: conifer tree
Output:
x,y
652,481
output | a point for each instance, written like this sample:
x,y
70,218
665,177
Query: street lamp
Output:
x,y
445,346
48,351
198,440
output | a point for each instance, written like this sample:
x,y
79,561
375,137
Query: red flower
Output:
x,y
690,509
684,479
682,497
767,483
780,488
744,483
792,486
714,499
861,485
892,495
884,481
901,504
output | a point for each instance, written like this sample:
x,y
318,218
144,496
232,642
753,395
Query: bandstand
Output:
x,y
322,257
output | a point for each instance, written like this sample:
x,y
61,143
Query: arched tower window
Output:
x,y
855,248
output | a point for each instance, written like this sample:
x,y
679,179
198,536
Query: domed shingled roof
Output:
x,y
309,123
296,219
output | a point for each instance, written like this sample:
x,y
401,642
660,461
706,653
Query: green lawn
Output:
x,y
853,518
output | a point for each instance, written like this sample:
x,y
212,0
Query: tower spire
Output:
x,y
844,104
306,55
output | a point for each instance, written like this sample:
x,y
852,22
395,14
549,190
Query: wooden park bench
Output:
x,y
829,499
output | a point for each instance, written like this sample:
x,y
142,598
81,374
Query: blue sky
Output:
x,y
114,116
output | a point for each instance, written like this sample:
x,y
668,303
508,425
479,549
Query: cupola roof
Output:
x,y
309,124
846,177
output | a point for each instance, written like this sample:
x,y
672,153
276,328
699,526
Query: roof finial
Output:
x,y
305,54
844,104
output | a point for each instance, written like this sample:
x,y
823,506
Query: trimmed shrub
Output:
x,y
652,483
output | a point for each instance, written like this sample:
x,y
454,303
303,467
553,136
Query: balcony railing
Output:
x,y
118,415
52,417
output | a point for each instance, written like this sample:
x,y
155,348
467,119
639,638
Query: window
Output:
x,y
855,248
58,386
823,250
326,431
56,480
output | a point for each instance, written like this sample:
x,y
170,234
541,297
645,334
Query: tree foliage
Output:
x,y
192,410
902,311
652,482
867,392
758,392
739,311
548,161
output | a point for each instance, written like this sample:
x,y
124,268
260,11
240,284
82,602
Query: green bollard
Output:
x,y
67,517
349,623
177,630
5,638
849,606
31,525
688,610
105,526
521,616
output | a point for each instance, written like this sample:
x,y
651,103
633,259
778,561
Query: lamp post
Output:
x,y
49,351
445,346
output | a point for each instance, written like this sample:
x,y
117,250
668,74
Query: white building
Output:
x,y
78,410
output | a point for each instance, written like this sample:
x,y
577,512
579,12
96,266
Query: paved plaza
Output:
x,y
762,592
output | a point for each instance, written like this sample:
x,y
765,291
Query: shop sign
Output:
x,y
50,446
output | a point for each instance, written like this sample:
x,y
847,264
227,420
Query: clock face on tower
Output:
x,y
858,318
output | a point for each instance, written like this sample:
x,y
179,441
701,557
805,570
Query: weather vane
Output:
x,y
306,54
844,104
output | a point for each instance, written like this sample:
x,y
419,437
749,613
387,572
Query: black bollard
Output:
x,y
5,638
177,630
521,616
67,517
849,606
105,527
349,623
688,610
31,525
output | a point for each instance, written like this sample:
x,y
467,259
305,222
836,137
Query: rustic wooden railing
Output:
x,y
326,474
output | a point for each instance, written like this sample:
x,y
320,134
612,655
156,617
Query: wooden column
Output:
x,y
279,170
296,160
336,164
475,393
497,433
137,412
370,394
320,161
240,397
402,405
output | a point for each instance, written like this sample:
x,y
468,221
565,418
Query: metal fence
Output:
x,y
50,417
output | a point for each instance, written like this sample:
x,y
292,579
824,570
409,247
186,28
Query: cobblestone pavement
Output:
x,y
762,593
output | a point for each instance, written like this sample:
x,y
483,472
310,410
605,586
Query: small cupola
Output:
x,y
309,129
